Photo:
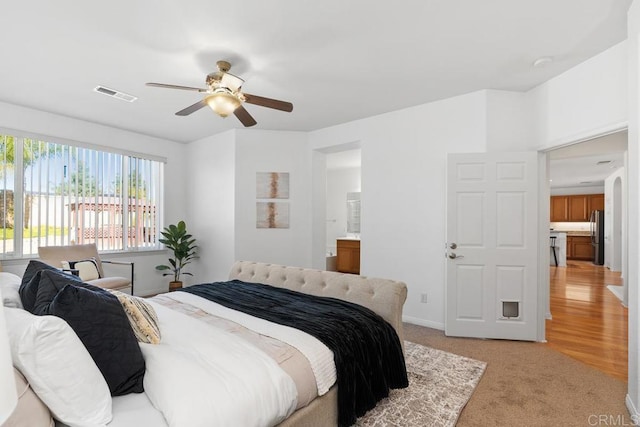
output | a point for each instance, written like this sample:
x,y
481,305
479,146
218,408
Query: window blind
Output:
x,y
62,194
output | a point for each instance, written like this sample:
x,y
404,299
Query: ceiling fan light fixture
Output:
x,y
223,103
224,96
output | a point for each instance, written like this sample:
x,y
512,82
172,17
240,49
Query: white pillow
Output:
x,y
9,286
59,368
87,268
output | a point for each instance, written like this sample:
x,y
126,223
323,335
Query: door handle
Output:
x,y
452,255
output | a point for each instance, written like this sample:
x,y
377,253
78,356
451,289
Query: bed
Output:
x,y
383,297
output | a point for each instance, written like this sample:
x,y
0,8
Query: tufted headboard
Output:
x,y
384,297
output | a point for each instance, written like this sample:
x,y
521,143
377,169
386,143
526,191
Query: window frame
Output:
x,y
19,176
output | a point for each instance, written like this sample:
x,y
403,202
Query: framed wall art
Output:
x,y
272,215
272,185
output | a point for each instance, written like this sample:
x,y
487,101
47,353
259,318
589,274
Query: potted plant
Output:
x,y
183,246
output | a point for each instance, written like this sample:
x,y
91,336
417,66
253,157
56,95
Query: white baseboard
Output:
x,y
422,322
635,415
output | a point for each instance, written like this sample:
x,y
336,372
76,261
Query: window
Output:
x,y
57,194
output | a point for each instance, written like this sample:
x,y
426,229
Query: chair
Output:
x,y
55,255
553,248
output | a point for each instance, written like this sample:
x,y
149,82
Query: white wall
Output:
x,y
633,211
273,151
222,202
613,229
509,121
404,157
147,280
211,206
339,183
587,100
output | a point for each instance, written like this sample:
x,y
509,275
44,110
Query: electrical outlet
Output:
x,y
423,298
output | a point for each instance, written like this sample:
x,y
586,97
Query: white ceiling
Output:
x,y
344,159
588,163
337,61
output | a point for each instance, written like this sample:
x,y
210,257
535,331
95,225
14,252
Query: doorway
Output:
x,y
343,188
588,320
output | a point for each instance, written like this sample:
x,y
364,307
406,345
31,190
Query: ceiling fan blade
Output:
x,y
192,108
269,103
244,116
166,86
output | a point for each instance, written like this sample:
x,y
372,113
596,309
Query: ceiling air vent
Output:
x,y
115,94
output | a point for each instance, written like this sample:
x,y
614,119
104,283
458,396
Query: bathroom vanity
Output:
x,y
348,255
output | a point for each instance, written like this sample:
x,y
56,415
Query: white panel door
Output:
x,y
492,254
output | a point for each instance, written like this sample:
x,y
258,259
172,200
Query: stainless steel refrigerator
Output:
x,y
597,236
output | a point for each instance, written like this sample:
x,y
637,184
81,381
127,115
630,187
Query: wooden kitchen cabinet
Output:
x,y
579,248
575,208
559,209
579,208
596,202
348,260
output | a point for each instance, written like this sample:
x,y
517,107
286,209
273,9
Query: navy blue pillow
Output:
x,y
31,280
50,282
99,320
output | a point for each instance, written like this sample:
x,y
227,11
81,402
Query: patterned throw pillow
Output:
x,y
87,268
142,317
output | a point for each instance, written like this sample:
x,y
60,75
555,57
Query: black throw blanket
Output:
x,y
366,349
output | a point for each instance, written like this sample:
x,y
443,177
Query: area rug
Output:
x,y
440,384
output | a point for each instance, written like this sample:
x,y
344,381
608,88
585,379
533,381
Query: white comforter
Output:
x,y
320,357
202,376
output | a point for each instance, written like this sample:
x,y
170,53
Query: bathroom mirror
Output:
x,y
353,212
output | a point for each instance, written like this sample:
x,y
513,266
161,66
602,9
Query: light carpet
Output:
x,y
440,385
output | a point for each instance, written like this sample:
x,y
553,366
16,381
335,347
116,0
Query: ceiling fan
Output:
x,y
224,95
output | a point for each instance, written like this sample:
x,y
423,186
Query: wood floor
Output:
x,y
589,323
